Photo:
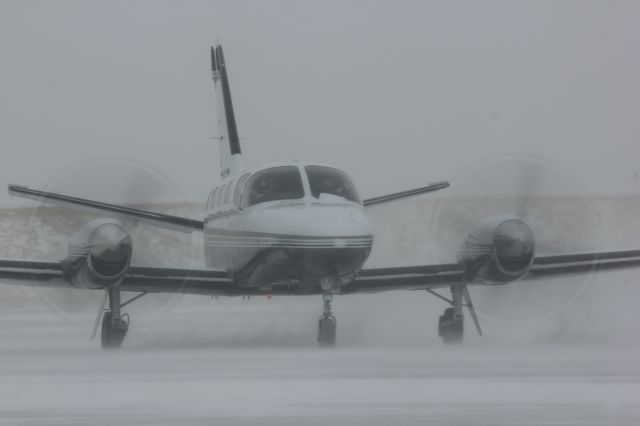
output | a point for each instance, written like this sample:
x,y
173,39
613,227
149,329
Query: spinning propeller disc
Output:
x,y
118,181
549,199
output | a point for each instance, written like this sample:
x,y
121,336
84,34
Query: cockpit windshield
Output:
x,y
277,183
327,180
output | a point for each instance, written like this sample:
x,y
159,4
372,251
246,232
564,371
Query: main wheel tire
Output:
x,y
327,332
445,319
450,328
112,336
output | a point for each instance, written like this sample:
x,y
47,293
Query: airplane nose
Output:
x,y
307,242
342,223
315,225
346,238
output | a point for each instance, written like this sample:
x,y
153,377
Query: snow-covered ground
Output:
x,y
52,374
562,351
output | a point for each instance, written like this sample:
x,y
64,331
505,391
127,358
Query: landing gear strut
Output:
x,y
451,322
114,324
327,324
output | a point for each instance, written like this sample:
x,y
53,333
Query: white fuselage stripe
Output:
x,y
251,241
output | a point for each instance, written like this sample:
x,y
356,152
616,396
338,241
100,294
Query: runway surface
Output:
x,y
51,374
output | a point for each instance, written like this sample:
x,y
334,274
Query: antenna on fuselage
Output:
x,y
230,153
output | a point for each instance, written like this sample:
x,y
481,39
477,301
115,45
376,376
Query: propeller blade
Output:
x,y
527,185
96,324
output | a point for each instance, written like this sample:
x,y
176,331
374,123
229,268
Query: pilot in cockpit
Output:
x,y
263,190
329,185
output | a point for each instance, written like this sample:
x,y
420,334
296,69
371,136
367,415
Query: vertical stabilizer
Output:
x,y
230,154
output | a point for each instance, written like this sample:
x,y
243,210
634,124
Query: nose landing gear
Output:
x,y
327,324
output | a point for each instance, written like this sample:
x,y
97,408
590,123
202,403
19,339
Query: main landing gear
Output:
x,y
451,322
115,324
451,326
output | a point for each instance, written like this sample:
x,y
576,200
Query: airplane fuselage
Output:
x,y
290,224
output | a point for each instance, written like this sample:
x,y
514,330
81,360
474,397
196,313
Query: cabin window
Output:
x,y
327,180
212,199
227,193
239,187
277,183
220,195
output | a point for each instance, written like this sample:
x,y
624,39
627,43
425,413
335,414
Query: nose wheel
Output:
x,y
327,324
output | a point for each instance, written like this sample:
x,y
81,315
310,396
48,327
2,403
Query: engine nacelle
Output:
x,y
99,254
500,250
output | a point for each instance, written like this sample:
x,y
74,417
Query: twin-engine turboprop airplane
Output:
x,y
286,229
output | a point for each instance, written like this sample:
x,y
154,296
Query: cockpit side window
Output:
x,y
277,183
327,180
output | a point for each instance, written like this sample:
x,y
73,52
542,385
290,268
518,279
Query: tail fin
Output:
x,y
230,154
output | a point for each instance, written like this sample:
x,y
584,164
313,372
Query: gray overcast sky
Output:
x,y
397,93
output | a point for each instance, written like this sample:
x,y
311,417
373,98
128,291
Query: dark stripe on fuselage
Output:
x,y
259,258
231,233
301,267
273,241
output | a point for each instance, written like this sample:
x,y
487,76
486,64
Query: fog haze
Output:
x,y
524,106
398,94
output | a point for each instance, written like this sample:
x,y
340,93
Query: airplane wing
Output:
x,y
446,275
32,273
405,194
406,278
157,219
187,281
137,278
220,282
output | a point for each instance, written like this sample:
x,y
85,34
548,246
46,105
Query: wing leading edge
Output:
x,y
446,275
220,282
32,273
137,278
157,219
432,187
